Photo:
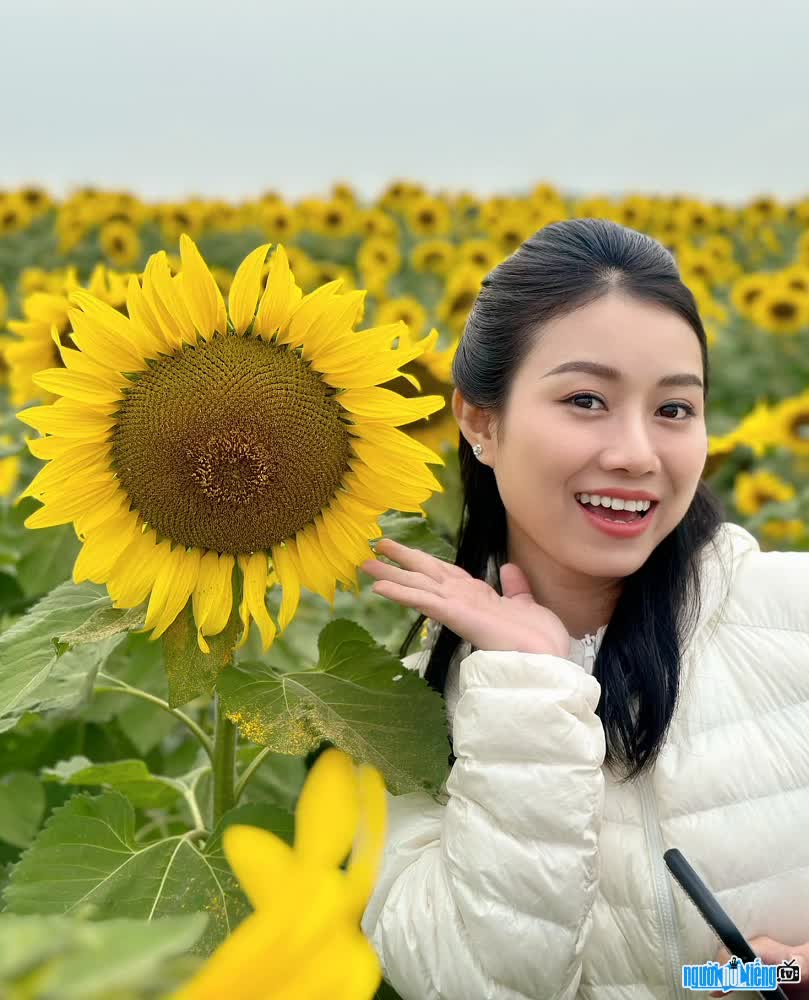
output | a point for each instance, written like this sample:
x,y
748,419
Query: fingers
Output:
x,y
514,582
416,581
423,601
415,559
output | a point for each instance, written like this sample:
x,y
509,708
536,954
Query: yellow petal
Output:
x,y
245,289
59,477
78,386
366,853
264,864
102,549
394,442
339,561
358,345
62,509
316,575
213,596
331,336
201,292
166,303
238,966
68,419
98,514
173,586
327,812
133,575
290,584
307,312
254,604
143,316
376,403
105,346
75,361
281,296
118,326
342,965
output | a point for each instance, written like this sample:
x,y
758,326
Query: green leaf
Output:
x,y
415,531
278,778
47,558
31,648
386,992
262,814
131,778
86,856
359,697
65,958
22,806
191,672
103,623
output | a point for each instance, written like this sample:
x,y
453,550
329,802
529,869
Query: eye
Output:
x,y
689,409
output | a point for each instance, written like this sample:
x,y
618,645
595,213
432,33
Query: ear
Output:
x,y
477,425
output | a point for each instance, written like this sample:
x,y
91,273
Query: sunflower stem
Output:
x,y
248,772
119,686
224,763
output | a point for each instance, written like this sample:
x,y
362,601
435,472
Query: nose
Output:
x,y
631,447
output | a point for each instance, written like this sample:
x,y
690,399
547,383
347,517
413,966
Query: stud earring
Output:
x,y
477,451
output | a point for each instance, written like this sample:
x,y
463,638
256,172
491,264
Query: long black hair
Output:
x,y
560,268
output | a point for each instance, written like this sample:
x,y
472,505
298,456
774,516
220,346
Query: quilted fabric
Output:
x,y
536,876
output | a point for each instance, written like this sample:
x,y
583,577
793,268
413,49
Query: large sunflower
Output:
x,y
188,441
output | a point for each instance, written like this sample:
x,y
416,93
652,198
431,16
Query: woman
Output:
x,y
611,691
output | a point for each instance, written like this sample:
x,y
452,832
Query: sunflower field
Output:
x,y
210,412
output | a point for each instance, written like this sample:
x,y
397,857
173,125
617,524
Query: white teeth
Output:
x,y
613,502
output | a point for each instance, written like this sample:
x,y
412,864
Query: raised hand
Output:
x,y
470,607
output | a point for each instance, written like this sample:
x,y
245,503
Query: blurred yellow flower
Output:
x,y
15,214
746,290
781,310
790,423
428,216
404,308
398,193
334,218
483,254
787,532
120,243
463,285
434,257
278,220
3,307
34,348
303,941
376,222
752,490
379,254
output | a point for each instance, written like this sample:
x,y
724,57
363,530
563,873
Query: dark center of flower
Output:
x,y
231,445
463,301
783,310
118,245
751,294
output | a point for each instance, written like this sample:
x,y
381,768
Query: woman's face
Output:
x,y
576,431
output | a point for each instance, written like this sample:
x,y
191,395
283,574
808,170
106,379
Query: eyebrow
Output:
x,y
613,375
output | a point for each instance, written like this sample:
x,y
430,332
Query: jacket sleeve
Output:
x,y
489,897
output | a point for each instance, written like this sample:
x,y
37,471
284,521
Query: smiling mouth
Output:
x,y
618,516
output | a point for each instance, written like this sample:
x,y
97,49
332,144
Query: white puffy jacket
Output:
x,y
536,876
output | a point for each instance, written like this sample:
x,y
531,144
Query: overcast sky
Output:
x,y
170,98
